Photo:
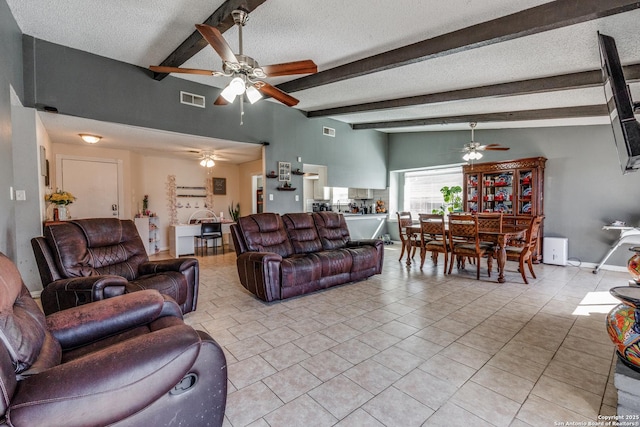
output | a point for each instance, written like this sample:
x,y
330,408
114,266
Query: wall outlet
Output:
x,y
21,195
297,198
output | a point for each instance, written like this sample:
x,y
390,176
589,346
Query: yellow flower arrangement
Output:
x,y
60,197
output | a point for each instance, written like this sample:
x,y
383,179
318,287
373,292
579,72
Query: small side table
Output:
x,y
628,236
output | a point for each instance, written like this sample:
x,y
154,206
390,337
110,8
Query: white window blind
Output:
x,y
422,188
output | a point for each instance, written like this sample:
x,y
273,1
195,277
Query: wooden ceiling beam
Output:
x,y
220,19
511,116
548,16
580,80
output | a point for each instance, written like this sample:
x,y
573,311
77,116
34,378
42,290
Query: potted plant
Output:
x,y
235,213
452,200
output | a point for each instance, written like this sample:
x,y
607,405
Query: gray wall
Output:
x,y
584,187
81,84
10,76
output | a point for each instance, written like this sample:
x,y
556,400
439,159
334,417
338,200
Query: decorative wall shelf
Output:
x,y
272,175
297,172
285,188
191,191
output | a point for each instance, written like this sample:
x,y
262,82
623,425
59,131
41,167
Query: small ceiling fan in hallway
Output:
x,y
245,71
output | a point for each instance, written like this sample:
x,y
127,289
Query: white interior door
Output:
x,y
96,184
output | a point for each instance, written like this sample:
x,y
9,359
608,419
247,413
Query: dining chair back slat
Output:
x,y
433,238
492,221
409,244
464,241
524,253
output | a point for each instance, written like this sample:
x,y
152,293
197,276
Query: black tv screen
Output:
x,y
626,129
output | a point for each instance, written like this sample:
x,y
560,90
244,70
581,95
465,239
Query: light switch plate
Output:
x,y
297,198
21,195
271,197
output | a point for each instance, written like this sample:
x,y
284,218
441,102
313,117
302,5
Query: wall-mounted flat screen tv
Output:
x,y
626,129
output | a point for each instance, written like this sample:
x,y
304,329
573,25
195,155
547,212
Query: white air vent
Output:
x,y
191,99
328,131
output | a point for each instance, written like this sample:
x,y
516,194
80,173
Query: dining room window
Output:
x,y
422,188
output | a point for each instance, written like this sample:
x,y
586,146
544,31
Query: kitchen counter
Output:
x,y
366,226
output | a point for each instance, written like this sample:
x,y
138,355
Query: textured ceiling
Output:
x,y
337,32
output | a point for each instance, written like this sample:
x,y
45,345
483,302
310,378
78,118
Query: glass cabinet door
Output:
x,y
497,192
473,197
526,191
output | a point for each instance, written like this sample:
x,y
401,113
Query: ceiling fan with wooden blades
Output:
x,y
245,71
472,149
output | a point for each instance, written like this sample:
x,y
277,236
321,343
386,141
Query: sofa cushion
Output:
x,y
332,230
334,262
88,248
302,232
300,270
265,232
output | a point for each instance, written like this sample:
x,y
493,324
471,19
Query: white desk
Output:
x,y
181,238
628,236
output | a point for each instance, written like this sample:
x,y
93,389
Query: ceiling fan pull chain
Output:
x,y
241,109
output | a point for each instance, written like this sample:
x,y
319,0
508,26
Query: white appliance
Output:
x,y
555,250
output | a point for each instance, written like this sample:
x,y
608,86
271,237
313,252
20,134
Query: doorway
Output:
x,y
95,182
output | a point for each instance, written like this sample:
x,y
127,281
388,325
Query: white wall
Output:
x,y
188,174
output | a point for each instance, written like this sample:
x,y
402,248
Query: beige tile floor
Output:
x,y
415,347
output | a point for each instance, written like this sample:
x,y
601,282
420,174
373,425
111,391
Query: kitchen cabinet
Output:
x,y
360,193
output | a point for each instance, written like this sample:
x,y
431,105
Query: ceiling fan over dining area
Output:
x,y
245,72
473,150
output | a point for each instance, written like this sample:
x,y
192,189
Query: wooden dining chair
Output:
x,y
490,221
525,252
409,244
464,241
433,238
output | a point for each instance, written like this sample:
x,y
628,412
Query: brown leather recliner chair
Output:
x,y
126,361
89,260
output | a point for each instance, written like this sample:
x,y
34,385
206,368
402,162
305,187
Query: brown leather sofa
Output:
x,y
92,259
128,360
280,257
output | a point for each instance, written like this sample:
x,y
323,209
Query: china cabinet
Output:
x,y
514,187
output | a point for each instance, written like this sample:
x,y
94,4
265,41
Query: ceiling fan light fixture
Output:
x,y
253,94
207,160
90,139
466,157
478,155
228,93
237,85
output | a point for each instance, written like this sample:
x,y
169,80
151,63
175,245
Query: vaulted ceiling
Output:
x,y
395,66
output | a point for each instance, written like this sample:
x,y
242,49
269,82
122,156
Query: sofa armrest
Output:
x,y
173,264
90,322
378,244
66,293
260,273
368,242
121,381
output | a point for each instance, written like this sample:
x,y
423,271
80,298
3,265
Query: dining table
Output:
x,y
499,238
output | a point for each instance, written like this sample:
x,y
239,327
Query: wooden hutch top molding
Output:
x,y
532,162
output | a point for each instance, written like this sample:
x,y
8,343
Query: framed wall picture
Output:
x,y
284,171
220,186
